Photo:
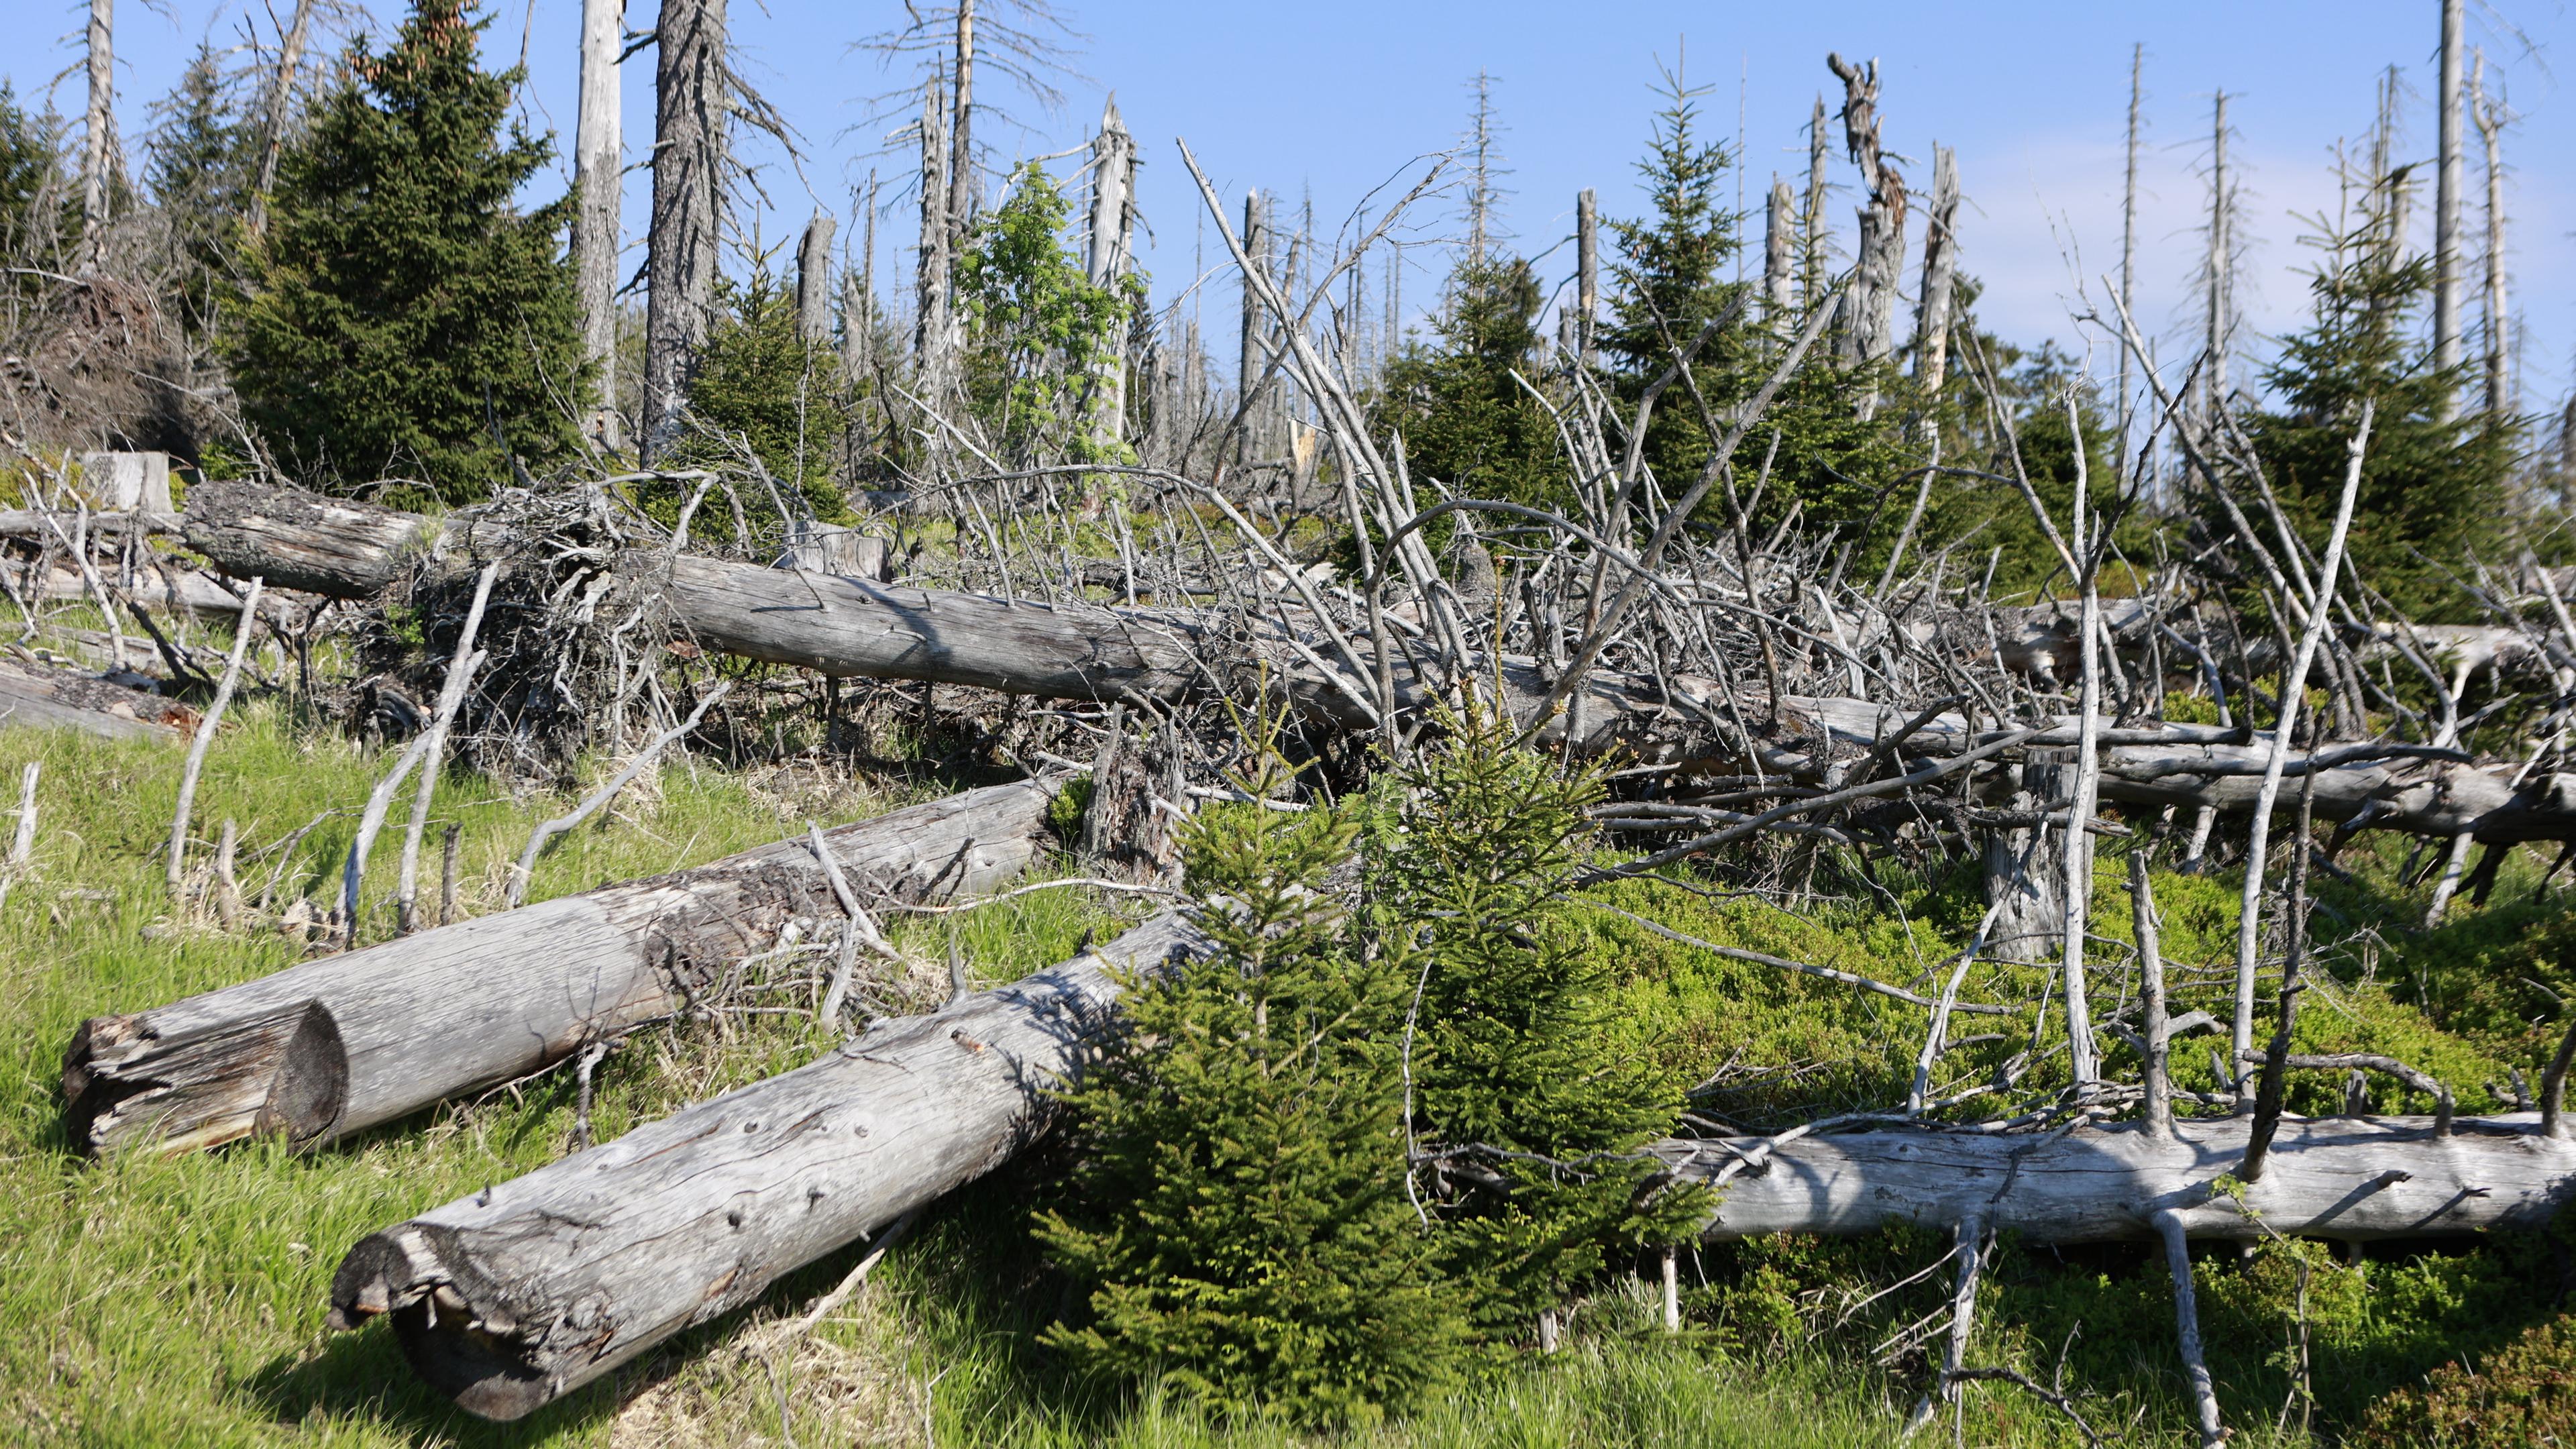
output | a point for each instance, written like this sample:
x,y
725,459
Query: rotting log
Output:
x,y
60,700
336,547
847,626
333,1046
2343,1178
525,1291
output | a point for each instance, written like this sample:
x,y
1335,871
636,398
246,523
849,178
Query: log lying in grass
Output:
x,y
2344,1178
525,1291
61,700
332,1046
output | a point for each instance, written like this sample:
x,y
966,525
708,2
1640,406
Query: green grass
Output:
x,y
147,1301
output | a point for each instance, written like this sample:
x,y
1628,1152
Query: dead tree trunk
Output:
x,y
2219,326
1587,274
2446,202
2128,242
1254,360
2347,1178
931,326
333,1046
43,699
814,281
689,151
2490,119
1113,213
1778,299
1940,265
281,94
598,171
98,137
519,1294
1879,267
1083,651
2026,865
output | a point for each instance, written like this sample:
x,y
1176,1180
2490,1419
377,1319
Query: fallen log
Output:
x,y
2347,1178
847,626
48,698
521,1293
333,1046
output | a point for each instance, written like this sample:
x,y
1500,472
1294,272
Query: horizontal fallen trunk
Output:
x,y
333,1046
2343,1178
47,699
43,523
521,1293
182,591
1083,651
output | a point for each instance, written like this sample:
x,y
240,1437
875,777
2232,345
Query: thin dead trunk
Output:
x,y
2490,118
281,96
2446,200
814,281
336,1045
690,148
1107,259
1870,336
1587,274
1254,361
1940,264
932,329
98,135
2129,239
2219,325
598,174
1778,296
961,133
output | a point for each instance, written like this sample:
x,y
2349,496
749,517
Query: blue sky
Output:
x,y
1333,97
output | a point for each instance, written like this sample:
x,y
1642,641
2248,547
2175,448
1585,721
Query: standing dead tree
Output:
x,y
691,148
598,176
1869,335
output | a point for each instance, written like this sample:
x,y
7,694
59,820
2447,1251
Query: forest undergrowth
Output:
x,y
180,1301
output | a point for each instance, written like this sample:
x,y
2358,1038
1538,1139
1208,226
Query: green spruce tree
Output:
x,y
2431,484
34,201
760,387
1465,420
402,318
1525,1088
1672,280
1240,1213
199,173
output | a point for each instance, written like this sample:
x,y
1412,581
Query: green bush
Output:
x,y
1240,1210
2522,1394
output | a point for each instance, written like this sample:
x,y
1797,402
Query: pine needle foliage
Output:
x,y
402,317
1240,1209
1040,335
1466,420
1527,1097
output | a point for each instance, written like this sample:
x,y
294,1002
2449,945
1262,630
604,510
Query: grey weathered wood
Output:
x,y
814,280
70,701
691,130
1083,651
127,482
598,169
335,1045
98,137
2343,1177
2446,199
516,1295
296,540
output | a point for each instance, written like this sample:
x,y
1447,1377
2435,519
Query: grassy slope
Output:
x,y
149,1302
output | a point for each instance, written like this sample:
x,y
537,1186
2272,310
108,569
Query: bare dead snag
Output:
x,y
599,798
517,1295
205,740
2169,1226
332,1046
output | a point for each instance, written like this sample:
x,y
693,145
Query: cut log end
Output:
x,y
448,1319
285,1073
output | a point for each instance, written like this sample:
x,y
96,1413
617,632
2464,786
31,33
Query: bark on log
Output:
x,y
1083,651
333,1046
2343,1178
521,1293
72,701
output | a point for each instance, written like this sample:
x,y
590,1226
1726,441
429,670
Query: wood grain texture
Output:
x,y
2344,1178
45,698
333,1046
519,1294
